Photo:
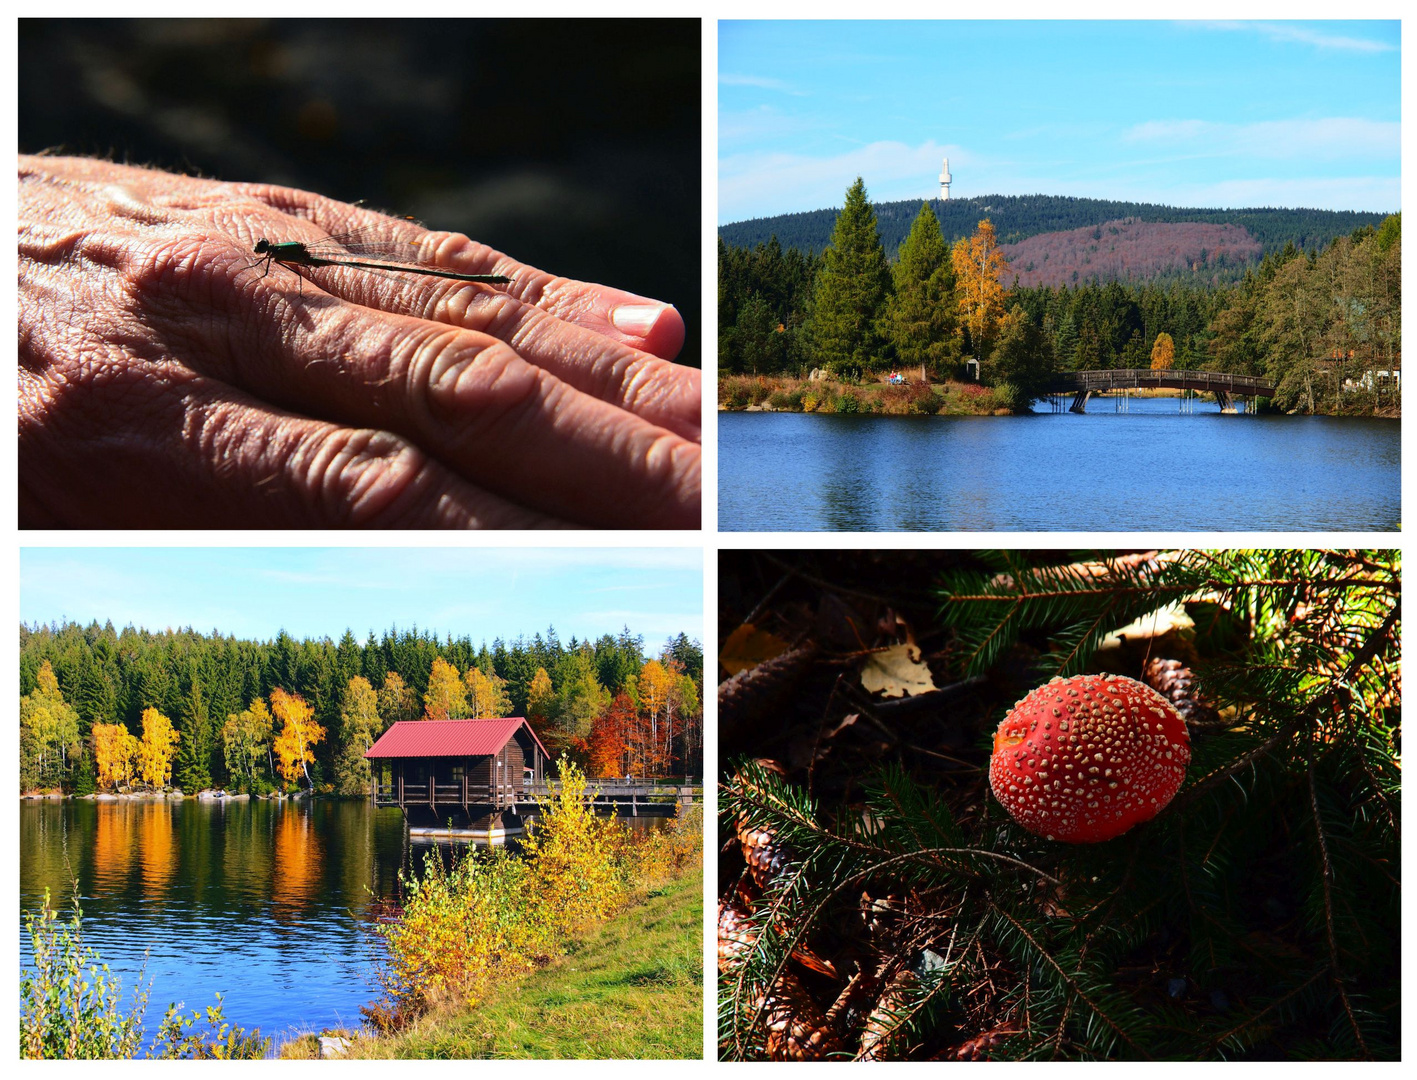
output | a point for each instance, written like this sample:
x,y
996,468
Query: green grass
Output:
x,y
632,989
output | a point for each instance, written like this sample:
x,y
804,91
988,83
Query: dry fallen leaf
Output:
x,y
897,672
747,647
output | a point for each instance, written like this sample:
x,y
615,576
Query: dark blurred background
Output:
x,y
572,145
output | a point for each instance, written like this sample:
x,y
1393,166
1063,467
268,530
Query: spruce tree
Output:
x,y
192,768
851,290
920,317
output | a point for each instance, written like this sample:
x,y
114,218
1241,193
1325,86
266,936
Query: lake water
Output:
x,y
265,902
1150,468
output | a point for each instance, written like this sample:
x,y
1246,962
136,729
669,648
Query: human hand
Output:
x,y
165,382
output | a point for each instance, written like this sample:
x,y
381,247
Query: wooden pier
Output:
x,y
627,798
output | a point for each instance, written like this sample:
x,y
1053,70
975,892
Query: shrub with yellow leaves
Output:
x,y
493,916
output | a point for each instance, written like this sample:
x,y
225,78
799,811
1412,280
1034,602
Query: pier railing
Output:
x,y
637,792
1170,379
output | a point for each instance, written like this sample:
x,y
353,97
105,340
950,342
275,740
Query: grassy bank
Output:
x,y
631,988
782,393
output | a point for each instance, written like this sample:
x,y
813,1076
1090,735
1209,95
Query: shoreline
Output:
x,y
790,394
576,1006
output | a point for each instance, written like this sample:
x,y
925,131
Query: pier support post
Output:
x,y
1079,404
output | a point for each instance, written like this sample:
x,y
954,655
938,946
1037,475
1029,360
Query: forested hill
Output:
x,y
1018,217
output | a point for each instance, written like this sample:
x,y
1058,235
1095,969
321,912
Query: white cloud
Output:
x,y
1304,35
759,185
757,125
1373,194
760,82
1326,138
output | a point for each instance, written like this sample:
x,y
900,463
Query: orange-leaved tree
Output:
x,y
1163,353
156,749
980,267
115,751
608,742
446,697
299,734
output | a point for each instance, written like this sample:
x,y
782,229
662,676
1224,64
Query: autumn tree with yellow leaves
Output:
x,y
980,269
156,749
115,752
541,704
299,734
49,732
1163,353
487,697
446,696
359,727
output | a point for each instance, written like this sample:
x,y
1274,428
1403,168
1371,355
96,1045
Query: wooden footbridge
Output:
x,y
1226,388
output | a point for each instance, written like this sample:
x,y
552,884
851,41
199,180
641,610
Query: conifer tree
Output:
x,y
851,290
192,769
920,318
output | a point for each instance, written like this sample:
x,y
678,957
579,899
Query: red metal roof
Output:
x,y
448,738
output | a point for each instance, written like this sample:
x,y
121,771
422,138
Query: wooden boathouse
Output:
x,y
458,774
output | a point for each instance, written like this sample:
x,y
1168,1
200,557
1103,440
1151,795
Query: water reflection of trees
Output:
x,y
157,849
298,860
113,848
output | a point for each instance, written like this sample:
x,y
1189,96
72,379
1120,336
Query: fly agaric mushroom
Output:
x,y
1084,759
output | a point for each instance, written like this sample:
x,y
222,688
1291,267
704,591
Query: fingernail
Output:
x,y
636,319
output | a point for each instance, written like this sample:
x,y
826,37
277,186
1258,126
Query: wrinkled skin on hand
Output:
x,y
167,382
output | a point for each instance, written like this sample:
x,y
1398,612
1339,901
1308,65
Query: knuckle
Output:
x,y
465,386
363,478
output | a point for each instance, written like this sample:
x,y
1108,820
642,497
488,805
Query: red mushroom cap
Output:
x,y
1086,758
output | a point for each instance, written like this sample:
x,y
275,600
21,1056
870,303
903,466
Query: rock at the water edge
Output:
x,y
333,1046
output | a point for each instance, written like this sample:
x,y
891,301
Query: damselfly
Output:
x,y
361,249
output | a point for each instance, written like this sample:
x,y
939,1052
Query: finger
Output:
x,y
648,325
101,448
470,401
668,395
645,324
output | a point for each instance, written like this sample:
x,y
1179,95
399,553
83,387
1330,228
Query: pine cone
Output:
x,y
883,1025
1174,681
797,1029
753,694
977,1048
735,935
765,856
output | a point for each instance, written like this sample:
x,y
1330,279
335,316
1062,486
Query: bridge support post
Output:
x,y
1079,404
1225,401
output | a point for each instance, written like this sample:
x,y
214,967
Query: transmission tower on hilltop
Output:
x,y
945,182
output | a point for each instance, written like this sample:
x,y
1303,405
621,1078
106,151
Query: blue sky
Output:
x,y
319,592
1184,113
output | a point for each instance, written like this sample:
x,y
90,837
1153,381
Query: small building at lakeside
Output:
x,y
459,774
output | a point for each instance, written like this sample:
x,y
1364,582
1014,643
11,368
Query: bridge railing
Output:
x,y
1120,378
